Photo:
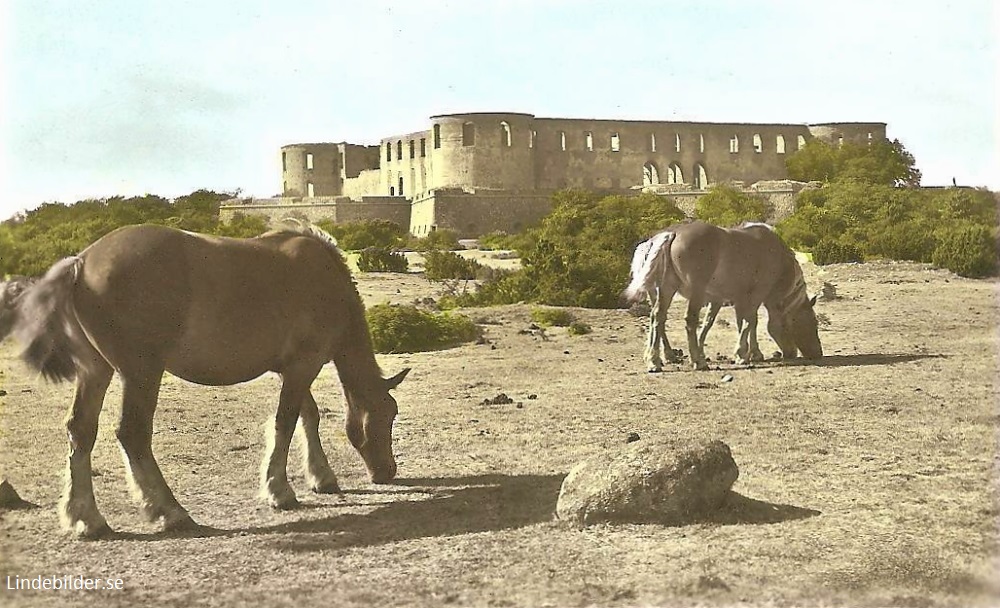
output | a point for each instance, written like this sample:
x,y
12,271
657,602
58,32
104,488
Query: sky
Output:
x,y
118,97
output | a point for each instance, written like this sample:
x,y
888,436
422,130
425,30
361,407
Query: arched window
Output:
x,y
779,144
650,175
801,142
589,138
399,150
701,143
437,136
616,143
388,150
677,142
400,184
413,148
652,142
309,161
310,189
758,145
504,134
468,134
700,177
531,138
562,140
734,144
674,174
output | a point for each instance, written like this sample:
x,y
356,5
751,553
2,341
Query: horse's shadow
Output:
x,y
859,359
458,506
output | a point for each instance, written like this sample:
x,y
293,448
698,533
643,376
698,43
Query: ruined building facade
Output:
x,y
478,172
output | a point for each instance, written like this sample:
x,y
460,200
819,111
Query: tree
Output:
x,y
881,162
726,206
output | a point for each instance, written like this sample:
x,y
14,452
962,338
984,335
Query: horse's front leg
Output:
x,y
691,321
274,486
314,463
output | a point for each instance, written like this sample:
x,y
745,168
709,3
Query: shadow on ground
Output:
x,y
859,360
455,506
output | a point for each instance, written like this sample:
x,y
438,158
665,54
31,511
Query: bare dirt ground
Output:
x,y
866,479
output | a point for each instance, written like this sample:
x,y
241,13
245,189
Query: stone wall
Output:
x,y
335,208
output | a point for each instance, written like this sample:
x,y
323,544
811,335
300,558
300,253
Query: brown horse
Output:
x,y
747,266
216,311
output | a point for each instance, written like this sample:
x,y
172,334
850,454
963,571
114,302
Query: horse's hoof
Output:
x,y
85,531
326,486
284,503
701,366
654,369
180,523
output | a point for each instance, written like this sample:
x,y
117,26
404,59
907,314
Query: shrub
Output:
x,y
406,329
560,317
355,236
578,328
442,265
439,239
968,250
381,259
831,251
727,206
908,240
502,240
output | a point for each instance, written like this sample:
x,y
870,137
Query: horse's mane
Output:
x,y
360,369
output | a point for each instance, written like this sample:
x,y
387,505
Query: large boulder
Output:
x,y
665,482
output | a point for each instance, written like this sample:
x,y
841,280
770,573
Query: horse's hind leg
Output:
x,y
77,508
691,320
713,312
274,487
656,339
317,468
135,434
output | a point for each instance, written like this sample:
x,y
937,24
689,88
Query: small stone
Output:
x,y
9,498
727,378
632,437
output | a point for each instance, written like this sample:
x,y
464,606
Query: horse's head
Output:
x,y
370,415
797,329
10,292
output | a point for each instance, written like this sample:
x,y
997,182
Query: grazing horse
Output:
x,y
747,266
215,311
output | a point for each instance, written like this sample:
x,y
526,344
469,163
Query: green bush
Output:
x,y
446,240
559,317
442,265
381,259
831,251
355,236
502,240
579,254
967,249
578,328
726,206
406,329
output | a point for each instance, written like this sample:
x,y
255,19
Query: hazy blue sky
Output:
x,y
168,96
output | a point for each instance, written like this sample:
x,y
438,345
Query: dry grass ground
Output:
x,y
866,480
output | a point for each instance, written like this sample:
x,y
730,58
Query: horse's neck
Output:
x,y
355,361
789,289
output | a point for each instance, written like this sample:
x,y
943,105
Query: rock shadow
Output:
x,y
741,510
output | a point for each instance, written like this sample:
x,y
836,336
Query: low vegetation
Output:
x,y
382,259
407,329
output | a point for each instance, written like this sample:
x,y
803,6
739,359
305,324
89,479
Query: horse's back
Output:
x,y
210,309
728,264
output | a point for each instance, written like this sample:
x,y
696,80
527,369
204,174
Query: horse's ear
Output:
x,y
812,300
391,383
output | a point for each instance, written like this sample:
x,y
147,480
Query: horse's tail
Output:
x,y
47,326
647,263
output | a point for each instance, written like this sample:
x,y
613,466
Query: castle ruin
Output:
x,y
483,171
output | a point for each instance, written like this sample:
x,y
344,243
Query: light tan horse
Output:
x,y
216,311
747,266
